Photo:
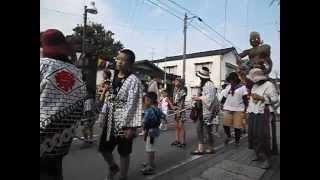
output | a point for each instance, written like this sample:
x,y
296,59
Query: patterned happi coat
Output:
x,y
125,107
209,101
179,96
62,100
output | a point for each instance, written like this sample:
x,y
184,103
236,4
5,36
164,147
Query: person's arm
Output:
x,y
270,64
244,53
171,106
207,97
271,94
245,98
246,102
223,100
134,109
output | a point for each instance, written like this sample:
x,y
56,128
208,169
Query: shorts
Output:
x,y
235,119
124,145
151,147
180,117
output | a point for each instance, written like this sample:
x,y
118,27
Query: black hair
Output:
x,y
261,82
107,73
233,77
224,86
205,68
153,96
130,55
203,81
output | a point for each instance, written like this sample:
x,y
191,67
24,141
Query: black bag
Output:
x,y
194,114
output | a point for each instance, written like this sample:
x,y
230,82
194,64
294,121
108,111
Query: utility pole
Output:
x,y
185,41
84,29
184,45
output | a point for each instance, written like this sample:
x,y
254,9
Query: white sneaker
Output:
x,y
161,126
165,127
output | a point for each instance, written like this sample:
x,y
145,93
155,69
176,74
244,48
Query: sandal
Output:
x,y
197,152
210,151
183,145
114,169
148,170
145,164
175,143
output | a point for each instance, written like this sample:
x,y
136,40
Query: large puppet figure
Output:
x,y
259,54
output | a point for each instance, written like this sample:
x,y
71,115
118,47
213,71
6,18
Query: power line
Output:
x,y
62,12
220,35
205,24
206,35
182,20
165,10
182,7
225,17
169,7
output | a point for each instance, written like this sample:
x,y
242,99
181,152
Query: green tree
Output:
x,y
100,41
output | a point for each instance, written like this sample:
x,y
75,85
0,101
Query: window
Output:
x,y
198,66
171,70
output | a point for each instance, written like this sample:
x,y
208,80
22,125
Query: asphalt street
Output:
x,y
87,164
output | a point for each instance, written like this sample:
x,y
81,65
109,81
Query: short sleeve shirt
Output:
x,y
235,102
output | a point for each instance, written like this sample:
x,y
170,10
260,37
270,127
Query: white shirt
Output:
x,y
164,105
153,87
222,93
268,91
234,102
99,77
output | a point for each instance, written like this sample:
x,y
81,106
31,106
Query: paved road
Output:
x,y
85,164
88,164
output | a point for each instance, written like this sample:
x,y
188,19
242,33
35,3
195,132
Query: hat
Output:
x,y
203,73
54,44
256,75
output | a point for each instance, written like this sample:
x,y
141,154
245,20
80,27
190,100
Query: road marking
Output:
x,y
82,138
192,158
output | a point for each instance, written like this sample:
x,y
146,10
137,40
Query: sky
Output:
x,y
153,33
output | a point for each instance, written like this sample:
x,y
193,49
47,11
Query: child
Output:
x,y
151,122
165,104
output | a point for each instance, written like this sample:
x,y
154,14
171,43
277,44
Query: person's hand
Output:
x,y
196,98
129,133
245,115
257,97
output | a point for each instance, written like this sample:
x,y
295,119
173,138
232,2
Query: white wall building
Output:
x,y
220,62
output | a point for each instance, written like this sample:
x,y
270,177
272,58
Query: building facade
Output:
x,y
220,63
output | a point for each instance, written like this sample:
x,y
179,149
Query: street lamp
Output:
x,y
186,18
90,66
92,10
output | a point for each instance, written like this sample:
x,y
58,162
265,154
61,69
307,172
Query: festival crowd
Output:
x,y
125,108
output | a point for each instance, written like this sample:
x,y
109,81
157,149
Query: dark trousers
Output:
x,y
204,132
51,169
273,119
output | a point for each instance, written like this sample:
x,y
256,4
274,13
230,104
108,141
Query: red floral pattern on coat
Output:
x,y
65,80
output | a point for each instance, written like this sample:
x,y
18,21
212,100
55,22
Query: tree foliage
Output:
x,y
98,40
